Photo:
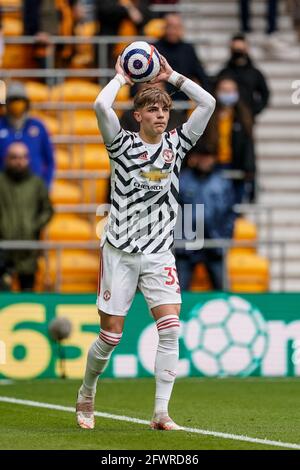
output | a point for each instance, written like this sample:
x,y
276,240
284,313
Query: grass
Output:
x,y
255,407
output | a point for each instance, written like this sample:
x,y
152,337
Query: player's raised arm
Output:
x,y
206,103
108,121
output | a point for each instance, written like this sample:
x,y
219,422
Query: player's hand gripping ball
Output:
x,y
140,61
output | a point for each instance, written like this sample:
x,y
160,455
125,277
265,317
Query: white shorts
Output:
x,y
122,273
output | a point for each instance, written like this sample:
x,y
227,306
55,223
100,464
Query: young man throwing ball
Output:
x,y
136,245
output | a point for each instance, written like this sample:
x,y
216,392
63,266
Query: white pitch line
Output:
x,y
70,409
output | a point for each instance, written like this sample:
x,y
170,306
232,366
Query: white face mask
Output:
x,y
228,99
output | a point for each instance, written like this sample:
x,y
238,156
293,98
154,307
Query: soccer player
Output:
x,y
136,249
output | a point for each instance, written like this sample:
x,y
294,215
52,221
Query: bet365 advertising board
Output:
x,y
221,335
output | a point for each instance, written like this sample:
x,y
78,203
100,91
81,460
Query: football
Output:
x,y
140,61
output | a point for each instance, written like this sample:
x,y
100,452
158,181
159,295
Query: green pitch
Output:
x,y
254,408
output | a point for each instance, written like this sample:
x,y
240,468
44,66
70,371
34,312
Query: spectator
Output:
x,y
16,125
253,87
111,13
180,54
43,18
271,14
128,121
24,210
229,133
202,183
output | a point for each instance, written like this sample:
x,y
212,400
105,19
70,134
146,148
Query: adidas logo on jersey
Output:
x,y
144,156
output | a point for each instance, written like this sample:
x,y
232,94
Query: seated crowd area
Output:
x,y
54,168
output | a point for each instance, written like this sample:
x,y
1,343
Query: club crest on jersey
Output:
x,y
168,155
155,175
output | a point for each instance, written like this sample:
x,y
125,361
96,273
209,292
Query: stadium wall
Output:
x,y
221,334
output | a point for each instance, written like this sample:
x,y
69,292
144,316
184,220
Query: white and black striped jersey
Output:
x,y
144,190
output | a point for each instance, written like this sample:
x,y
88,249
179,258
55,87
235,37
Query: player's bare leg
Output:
x,y
97,360
167,322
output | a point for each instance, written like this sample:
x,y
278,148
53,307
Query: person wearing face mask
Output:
x,y
24,210
253,87
229,132
201,182
17,125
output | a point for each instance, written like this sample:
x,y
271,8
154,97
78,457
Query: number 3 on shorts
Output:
x,y
172,276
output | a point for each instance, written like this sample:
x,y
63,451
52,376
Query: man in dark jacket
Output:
x,y
180,54
24,210
201,183
253,87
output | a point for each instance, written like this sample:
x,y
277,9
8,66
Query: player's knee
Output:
x,y
111,323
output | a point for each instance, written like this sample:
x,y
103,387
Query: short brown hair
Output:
x,y
150,96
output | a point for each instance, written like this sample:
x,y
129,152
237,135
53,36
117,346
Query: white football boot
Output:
x,y
163,422
85,411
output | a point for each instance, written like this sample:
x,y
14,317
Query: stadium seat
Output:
x,y
123,94
247,272
79,122
127,28
65,193
200,279
63,159
37,92
244,230
75,91
17,56
77,267
90,157
155,28
11,3
49,122
69,227
12,26
84,53
95,191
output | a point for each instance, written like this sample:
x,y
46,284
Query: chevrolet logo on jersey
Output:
x,y
155,175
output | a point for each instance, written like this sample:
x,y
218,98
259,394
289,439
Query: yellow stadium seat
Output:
x,y
200,280
79,122
37,92
79,287
75,90
69,227
62,159
95,191
12,26
123,94
77,267
84,53
65,193
11,3
155,28
127,28
49,122
17,56
247,269
244,230
90,157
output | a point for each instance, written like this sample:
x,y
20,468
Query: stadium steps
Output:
x,y
277,130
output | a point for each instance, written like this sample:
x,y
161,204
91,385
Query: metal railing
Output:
x,y
224,244
102,43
